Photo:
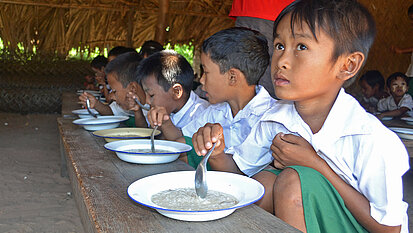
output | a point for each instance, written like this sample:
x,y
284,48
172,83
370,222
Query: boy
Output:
x,y
98,66
233,61
166,78
372,87
399,102
340,168
120,75
150,47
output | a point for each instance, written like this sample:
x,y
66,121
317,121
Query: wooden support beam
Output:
x,y
160,33
129,26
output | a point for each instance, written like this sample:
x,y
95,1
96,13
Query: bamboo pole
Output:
x,y
129,26
160,34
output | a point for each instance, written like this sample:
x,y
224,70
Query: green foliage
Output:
x,y
186,50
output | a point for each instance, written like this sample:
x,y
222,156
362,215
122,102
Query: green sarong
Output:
x,y
193,158
324,209
130,122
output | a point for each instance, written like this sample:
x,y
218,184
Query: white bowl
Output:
x,y
83,113
408,120
123,150
94,93
386,118
404,133
245,189
111,135
100,123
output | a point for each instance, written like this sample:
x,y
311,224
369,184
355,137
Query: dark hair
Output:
x,y
373,78
347,22
118,50
124,66
150,47
169,68
239,48
410,10
396,75
99,61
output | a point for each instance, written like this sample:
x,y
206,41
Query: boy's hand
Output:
x,y
85,96
158,116
289,149
100,80
130,99
206,136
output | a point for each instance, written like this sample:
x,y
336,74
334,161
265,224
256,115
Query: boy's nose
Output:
x,y
281,60
202,79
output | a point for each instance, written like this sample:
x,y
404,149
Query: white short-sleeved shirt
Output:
x,y
190,111
237,128
117,110
354,143
388,104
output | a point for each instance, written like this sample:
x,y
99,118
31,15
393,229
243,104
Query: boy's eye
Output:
x,y
301,47
279,46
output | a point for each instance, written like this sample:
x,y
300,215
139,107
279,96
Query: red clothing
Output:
x,y
263,9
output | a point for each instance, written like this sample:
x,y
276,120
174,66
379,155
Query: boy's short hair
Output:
x,y
99,61
239,48
373,78
124,66
410,10
347,22
118,50
150,47
394,76
169,68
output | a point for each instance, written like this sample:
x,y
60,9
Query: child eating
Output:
x,y
337,168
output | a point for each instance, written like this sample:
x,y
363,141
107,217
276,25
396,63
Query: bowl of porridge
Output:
x,y
101,122
139,150
111,135
174,194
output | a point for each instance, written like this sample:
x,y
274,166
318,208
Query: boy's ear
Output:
x,y
137,89
351,65
234,76
177,91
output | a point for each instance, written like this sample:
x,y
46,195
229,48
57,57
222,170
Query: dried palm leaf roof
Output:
x,y
59,25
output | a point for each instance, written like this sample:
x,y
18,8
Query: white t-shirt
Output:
x,y
117,110
354,143
388,104
237,128
190,111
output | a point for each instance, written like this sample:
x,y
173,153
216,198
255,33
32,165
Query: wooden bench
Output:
x,y
100,180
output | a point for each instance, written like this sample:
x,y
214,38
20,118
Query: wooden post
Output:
x,y
129,32
160,33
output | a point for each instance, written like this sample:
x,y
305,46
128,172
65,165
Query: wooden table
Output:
x,y
397,122
100,180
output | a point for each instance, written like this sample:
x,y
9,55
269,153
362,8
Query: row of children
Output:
x,y
392,101
326,164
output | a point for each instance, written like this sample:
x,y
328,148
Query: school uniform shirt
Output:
x,y
388,104
354,143
237,128
190,111
117,110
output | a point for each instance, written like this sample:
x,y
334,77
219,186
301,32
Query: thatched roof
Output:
x,y
59,25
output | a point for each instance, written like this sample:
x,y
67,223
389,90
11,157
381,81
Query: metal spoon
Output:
x,y
201,186
141,105
153,138
88,108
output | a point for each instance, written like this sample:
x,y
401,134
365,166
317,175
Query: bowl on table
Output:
x,y
111,135
94,93
388,118
101,122
246,190
139,150
404,133
83,113
408,120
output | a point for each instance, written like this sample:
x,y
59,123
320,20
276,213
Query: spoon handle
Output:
x,y
153,139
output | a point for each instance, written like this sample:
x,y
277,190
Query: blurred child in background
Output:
x,y
150,47
372,86
399,102
98,66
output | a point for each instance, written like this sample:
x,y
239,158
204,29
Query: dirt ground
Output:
x,y
33,195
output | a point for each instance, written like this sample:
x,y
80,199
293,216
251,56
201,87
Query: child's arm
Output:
x,y
290,150
95,104
399,50
394,113
202,141
159,116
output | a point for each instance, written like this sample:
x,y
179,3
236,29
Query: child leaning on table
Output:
x,y
120,75
372,86
167,78
399,101
337,168
233,61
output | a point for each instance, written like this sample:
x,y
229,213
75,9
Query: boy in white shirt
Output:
x,y
233,60
338,169
120,74
399,101
167,79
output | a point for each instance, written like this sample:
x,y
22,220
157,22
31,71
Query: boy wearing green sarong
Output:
x,y
335,167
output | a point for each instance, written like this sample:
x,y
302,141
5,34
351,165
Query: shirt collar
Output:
x,y
191,101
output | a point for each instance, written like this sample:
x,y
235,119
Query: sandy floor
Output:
x,y
33,195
